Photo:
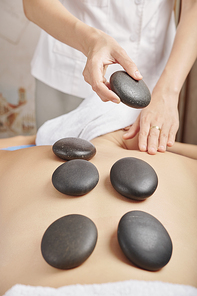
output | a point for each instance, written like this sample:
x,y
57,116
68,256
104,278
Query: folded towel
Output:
x,y
91,119
125,288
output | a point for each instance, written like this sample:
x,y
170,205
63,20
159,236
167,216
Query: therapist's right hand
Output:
x,y
103,51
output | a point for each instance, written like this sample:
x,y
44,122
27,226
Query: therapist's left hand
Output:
x,y
157,124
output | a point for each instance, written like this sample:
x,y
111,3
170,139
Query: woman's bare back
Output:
x,y
29,203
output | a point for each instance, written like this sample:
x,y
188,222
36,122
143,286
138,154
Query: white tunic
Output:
x,y
144,28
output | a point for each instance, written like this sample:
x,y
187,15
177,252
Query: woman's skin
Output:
x,y
29,204
102,50
17,141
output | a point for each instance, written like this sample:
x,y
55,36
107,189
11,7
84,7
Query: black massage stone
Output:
x,y
69,241
133,178
74,148
75,177
131,92
144,240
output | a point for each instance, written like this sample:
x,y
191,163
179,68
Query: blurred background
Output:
x,y
187,132
18,39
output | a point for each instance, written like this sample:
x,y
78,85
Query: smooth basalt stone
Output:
x,y
74,148
75,177
131,92
133,178
69,241
144,240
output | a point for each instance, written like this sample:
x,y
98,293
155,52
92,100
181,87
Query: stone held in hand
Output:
x,y
69,241
131,92
74,148
144,240
133,178
75,177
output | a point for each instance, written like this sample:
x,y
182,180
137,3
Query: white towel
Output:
x,y
91,119
125,288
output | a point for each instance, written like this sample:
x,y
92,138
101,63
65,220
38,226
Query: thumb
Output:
x,y
134,129
129,66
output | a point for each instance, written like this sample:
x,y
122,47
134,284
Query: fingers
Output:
x,y
132,130
97,63
102,90
163,138
172,135
154,134
143,137
98,82
155,139
159,123
148,135
130,67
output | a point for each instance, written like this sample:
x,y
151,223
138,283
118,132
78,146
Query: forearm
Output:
x,y
57,21
184,51
162,110
187,150
100,49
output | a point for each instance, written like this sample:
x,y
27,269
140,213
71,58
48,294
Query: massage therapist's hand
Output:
x,y
100,49
157,124
103,51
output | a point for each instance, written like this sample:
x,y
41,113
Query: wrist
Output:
x,y
168,87
86,36
167,93
170,82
